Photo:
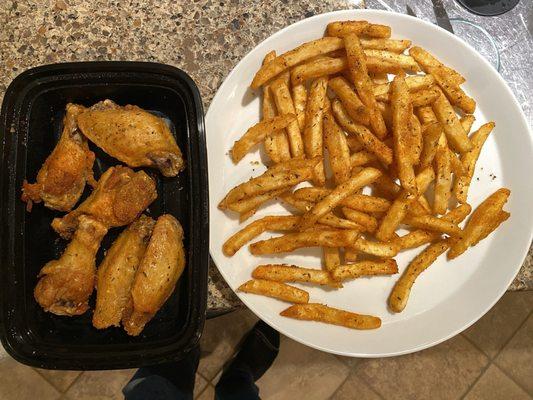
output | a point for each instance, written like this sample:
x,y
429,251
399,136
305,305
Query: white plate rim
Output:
x,y
354,14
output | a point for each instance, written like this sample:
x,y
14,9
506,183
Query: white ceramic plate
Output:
x,y
449,296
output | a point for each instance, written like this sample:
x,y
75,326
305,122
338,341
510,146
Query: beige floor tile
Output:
x,y
492,331
353,385
302,370
199,385
442,372
207,394
495,385
219,339
61,380
351,362
516,358
93,385
19,382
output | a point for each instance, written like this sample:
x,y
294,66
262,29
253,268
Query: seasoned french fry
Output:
x,y
257,133
455,133
318,68
491,227
365,89
363,28
415,83
386,112
339,152
401,60
254,229
431,223
292,273
379,79
330,315
392,45
276,144
378,249
361,158
354,144
476,227
243,206
332,258
295,164
401,114
285,105
375,65
360,202
467,121
398,210
367,221
419,237
343,190
295,56
424,97
353,105
293,241
400,293
350,255
428,61
415,139
365,268
313,142
299,97
455,94
431,139
469,160
426,116
443,180
276,290
245,215
370,142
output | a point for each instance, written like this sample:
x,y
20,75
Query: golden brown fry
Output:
x,y
400,60
392,45
339,152
350,255
378,249
491,227
313,137
285,105
476,226
354,144
401,114
361,158
431,223
426,116
431,139
379,79
293,241
419,237
360,202
424,97
370,142
365,89
292,273
415,83
415,139
332,258
351,102
398,210
317,69
363,28
469,160
365,268
276,290
367,221
299,97
443,181
246,205
257,133
295,56
330,315
245,215
254,229
426,60
467,121
453,92
343,190
455,133
400,293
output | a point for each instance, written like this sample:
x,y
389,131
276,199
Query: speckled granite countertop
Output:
x,y
205,38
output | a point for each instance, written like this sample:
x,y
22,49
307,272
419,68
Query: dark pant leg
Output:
x,y
237,384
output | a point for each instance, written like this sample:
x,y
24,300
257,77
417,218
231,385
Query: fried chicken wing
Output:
x,y
155,280
117,271
120,196
65,285
133,136
61,179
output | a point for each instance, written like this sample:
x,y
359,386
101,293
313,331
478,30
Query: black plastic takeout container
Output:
x,y
31,122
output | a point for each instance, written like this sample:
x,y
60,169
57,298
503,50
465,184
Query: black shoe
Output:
x,y
258,351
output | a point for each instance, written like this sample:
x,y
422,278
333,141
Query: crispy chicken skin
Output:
x,y
121,195
61,179
155,280
117,271
65,285
133,136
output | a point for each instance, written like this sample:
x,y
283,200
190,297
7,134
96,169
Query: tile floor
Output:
x,y
491,360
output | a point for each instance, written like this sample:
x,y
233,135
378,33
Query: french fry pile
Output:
x,y
329,105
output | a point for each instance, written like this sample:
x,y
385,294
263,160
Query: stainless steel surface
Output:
x,y
442,16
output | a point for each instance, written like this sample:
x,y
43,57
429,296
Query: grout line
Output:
x,y
511,378
477,379
52,383
363,379
514,334
73,382
340,385
477,347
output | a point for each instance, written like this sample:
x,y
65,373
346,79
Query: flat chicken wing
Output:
x,y
61,179
65,285
133,136
155,280
120,196
117,271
